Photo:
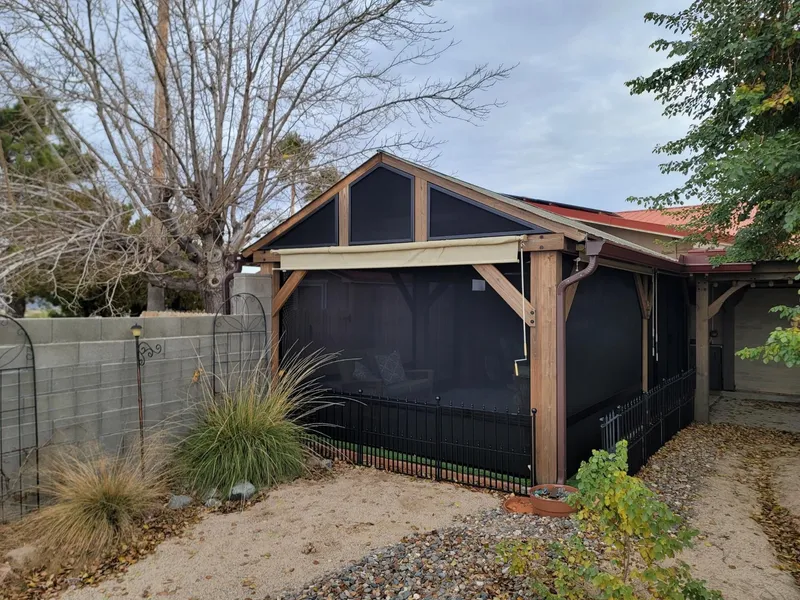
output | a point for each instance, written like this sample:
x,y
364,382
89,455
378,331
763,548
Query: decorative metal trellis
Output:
x,y
19,422
239,340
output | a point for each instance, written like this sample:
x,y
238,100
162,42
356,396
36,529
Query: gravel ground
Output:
x,y
459,562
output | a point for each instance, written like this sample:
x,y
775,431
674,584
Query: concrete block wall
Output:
x,y
86,379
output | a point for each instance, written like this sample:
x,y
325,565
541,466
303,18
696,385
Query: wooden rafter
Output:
x,y
286,290
643,292
715,306
544,241
512,296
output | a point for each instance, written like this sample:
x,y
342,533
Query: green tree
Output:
x,y
732,71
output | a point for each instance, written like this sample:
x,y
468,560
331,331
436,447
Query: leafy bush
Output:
x,y
97,499
639,534
253,430
783,344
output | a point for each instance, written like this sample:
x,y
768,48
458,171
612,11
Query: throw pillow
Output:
x,y
361,372
390,367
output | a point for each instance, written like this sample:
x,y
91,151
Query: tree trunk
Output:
x,y
17,306
155,298
213,286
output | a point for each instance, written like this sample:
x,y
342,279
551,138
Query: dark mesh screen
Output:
x,y
604,356
452,340
453,217
381,208
318,229
672,335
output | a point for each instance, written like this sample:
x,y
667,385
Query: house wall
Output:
x,y
753,323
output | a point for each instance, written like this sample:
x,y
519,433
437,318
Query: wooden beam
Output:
x,y
701,395
266,256
420,209
344,216
544,276
398,281
713,309
279,299
266,269
642,286
275,333
468,191
314,205
513,297
544,241
624,266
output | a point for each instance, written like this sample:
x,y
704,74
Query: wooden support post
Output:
x,y
280,294
420,209
275,334
344,216
545,276
701,408
644,291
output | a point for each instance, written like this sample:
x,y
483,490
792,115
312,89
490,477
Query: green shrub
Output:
x,y
641,537
253,430
97,499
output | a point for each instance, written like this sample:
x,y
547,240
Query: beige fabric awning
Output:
x,y
472,251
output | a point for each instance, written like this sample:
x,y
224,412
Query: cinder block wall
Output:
x,y
86,376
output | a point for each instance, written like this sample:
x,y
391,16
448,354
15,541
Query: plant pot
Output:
x,y
552,505
538,505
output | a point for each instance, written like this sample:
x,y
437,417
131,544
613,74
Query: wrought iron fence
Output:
x,y
651,419
19,428
482,448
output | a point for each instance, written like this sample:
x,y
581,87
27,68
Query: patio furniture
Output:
x,y
414,383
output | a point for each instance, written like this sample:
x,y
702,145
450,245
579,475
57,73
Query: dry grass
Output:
x,y
254,430
97,499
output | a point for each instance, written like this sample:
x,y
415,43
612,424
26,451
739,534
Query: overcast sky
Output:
x,y
569,131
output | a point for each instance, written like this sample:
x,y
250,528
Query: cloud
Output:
x,y
569,131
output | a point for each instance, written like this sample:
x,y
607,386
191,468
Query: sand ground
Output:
x,y
299,532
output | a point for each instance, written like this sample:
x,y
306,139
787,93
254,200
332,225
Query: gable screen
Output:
x,y
381,207
318,229
452,217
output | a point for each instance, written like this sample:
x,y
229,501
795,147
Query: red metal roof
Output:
x,y
611,219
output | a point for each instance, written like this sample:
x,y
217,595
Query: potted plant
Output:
x,y
546,500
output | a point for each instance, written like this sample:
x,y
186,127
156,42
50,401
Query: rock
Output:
x,y
315,462
211,494
5,572
178,502
242,491
21,557
213,503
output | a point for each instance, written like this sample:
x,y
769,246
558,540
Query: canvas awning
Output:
x,y
436,253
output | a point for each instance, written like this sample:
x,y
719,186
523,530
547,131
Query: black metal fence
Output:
x,y
19,429
651,419
483,448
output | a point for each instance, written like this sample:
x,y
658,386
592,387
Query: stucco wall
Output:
x,y
753,323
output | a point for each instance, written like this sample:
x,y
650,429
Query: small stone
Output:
x,y
212,493
178,502
315,462
242,491
213,503
21,557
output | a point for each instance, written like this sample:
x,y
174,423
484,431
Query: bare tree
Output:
x,y
181,189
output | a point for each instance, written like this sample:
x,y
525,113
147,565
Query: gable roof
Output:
x,y
572,228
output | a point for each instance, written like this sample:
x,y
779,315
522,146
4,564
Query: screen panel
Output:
x,y
452,216
382,207
318,229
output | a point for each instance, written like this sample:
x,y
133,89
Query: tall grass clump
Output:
x,y
253,429
96,499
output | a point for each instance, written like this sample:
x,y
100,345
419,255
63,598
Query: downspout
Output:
x,y
593,248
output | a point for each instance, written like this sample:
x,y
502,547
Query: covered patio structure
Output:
x,y
432,288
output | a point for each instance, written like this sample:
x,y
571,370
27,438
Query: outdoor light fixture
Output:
x,y
136,330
